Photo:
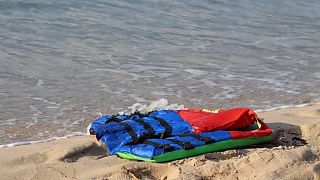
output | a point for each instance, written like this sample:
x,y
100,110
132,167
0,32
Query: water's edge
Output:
x,y
85,134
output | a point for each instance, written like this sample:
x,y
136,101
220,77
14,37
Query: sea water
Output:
x,y
63,63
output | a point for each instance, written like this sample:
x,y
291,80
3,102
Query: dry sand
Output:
x,y
294,153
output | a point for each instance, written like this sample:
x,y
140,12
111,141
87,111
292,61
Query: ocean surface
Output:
x,y
63,63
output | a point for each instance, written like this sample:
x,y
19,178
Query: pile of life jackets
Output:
x,y
166,135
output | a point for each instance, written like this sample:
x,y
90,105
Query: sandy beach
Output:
x,y
65,63
294,153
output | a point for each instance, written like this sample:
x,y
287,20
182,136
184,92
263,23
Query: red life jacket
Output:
x,y
232,119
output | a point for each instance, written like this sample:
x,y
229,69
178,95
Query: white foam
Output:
x,y
161,104
88,129
9,122
228,93
41,141
45,101
40,83
283,107
197,72
209,82
77,122
137,98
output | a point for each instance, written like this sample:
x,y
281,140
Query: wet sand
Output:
x,y
294,153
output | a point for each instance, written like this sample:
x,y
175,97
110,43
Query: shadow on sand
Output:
x,y
286,135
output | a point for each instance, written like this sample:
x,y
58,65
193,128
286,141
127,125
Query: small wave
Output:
x,y
283,107
163,104
41,141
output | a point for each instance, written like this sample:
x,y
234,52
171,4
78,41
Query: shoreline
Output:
x,y
74,134
295,146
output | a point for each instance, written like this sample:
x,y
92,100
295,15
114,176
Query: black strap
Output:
x,y
151,131
168,128
138,113
128,128
206,140
114,118
131,132
184,145
165,147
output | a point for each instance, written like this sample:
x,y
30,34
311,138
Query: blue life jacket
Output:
x,y
120,130
154,147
